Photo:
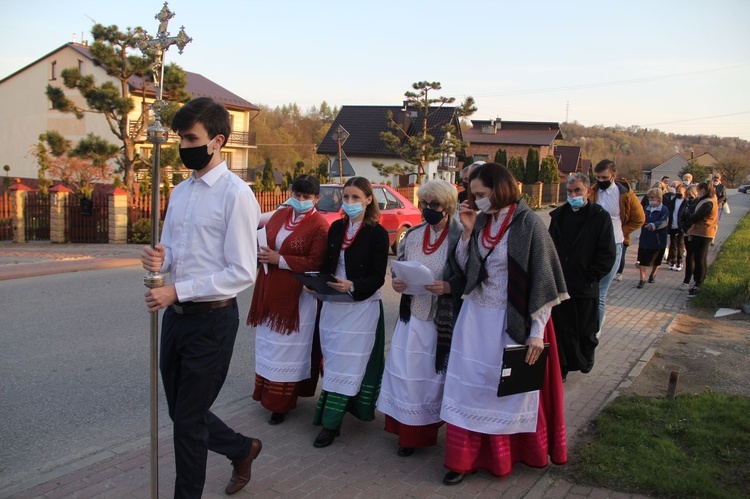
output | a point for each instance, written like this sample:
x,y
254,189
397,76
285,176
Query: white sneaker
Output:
x,y
618,277
684,286
671,267
678,268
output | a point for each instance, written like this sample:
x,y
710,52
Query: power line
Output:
x,y
697,119
609,83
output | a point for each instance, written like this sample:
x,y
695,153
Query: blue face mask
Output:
x,y
576,202
300,206
352,210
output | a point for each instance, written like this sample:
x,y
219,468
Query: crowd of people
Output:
x,y
499,280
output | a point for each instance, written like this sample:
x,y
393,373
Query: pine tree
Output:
x,y
501,157
267,179
115,52
418,150
515,165
548,172
532,166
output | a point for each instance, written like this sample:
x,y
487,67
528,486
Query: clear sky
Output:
x,y
677,65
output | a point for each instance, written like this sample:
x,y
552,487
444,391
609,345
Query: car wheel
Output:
x,y
399,237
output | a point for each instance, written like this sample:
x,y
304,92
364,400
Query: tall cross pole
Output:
x,y
158,135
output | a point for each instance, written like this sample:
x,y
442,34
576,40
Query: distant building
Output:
x,y
515,137
364,145
569,160
26,112
674,165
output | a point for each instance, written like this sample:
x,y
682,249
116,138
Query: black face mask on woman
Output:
x,y
432,217
195,158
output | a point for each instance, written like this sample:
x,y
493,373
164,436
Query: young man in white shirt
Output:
x,y
623,206
208,247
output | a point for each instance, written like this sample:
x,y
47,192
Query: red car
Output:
x,y
397,214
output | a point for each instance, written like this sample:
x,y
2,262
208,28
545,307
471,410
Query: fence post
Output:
x,y
118,217
537,190
18,196
58,201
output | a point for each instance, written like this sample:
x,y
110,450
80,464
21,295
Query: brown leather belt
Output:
x,y
201,307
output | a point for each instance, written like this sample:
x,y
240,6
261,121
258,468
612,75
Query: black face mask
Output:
x,y
466,185
195,158
604,185
679,196
433,217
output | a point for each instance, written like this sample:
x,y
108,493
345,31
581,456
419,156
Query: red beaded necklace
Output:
x,y
488,240
290,224
430,248
349,240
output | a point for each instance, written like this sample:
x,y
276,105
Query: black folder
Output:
x,y
519,377
318,282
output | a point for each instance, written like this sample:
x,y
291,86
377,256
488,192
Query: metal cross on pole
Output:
x,y
157,135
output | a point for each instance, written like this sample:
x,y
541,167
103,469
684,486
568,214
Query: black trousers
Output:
x,y
689,260
576,322
676,246
700,246
194,360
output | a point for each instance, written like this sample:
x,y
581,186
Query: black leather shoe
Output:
x,y
651,279
405,451
640,284
453,478
325,437
277,418
242,471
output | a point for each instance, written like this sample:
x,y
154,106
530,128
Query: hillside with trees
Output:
x,y
635,149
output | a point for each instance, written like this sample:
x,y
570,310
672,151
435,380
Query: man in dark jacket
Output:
x,y
583,235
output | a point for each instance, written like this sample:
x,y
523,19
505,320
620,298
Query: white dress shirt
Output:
x,y
609,199
210,236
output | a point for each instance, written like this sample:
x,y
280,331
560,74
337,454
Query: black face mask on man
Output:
x,y
604,185
196,158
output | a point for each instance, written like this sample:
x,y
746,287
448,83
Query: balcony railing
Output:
x,y
243,139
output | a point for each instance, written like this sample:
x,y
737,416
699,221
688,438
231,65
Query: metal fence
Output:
x,y
87,220
6,217
36,216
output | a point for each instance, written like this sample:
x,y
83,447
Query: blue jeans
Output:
x,y
604,285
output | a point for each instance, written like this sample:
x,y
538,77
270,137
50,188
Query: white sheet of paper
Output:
x,y
415,275
263,241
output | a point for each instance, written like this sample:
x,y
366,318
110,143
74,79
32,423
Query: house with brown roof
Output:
x,y
569,160
515,137
364,145
26,111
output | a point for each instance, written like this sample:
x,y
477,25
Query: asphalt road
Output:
x,y
74,366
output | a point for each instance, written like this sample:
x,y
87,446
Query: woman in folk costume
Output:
x,y
284,317
352,335
513,278
415,370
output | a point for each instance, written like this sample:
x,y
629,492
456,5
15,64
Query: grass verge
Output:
x,y
727,282
692,446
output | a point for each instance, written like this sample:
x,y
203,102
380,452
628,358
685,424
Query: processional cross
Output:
x,y
157,135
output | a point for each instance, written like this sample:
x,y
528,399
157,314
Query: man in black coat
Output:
x,y
584,238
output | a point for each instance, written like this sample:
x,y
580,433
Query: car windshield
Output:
x,y
330,198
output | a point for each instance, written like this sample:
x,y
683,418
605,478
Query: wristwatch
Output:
x,y
351,289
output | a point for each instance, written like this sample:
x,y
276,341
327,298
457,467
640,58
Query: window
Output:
x,y
53,70
145,153
393,202
481,157
227,156
80,66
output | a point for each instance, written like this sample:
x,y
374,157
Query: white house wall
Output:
x,y
25,112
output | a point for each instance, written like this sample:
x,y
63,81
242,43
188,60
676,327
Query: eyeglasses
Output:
x,y
433,205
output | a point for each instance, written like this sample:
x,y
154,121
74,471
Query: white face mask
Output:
x,y
654,203
671,190
484,204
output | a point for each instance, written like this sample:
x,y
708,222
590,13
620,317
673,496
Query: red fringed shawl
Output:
x,y
276,295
